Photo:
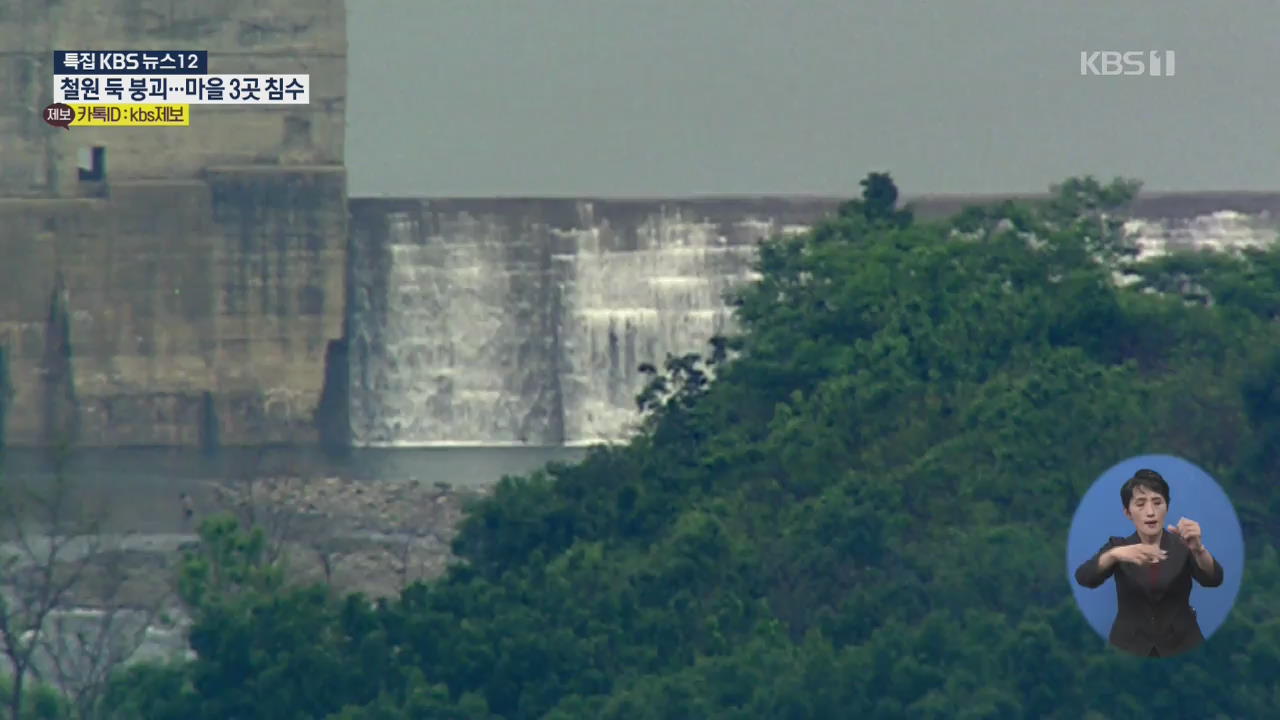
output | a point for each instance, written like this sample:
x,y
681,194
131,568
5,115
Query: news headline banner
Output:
x,y
188,90
130,62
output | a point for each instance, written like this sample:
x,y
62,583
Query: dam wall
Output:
x,y
193,312
259,305
214,285
523,320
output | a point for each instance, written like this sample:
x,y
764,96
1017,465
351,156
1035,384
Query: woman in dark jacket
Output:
x,y
1153,569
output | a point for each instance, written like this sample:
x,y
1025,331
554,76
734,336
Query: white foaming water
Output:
x,y
499,335
489,338
451,363
1220,231
624,308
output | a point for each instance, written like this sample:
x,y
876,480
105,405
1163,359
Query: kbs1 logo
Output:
x,y
1153,63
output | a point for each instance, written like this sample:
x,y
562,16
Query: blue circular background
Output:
x,y
1193,494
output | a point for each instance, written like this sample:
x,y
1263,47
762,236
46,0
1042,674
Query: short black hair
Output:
x,y
1149,479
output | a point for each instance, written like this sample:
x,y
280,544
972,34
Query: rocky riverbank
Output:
x,y
370,537
373,537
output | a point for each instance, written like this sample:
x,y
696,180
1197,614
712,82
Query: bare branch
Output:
x,y
61,600
247,494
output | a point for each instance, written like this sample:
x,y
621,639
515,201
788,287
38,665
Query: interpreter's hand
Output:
x,y
1139,554
1189,531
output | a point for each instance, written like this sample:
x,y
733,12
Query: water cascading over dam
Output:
x,y
526,326
495,322
1217,231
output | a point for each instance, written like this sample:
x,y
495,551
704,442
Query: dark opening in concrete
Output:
x,y
333,413
61,407
93,164
209,435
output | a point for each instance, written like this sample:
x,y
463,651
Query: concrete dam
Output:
x,y
523,321
216,285
249,308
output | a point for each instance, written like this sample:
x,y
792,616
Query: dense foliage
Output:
x,y
862,515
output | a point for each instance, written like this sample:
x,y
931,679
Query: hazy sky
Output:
x,y
696,97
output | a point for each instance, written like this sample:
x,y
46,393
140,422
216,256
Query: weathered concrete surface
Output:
x,y
242,36
204,279
230,285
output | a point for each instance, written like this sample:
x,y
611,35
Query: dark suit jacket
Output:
x,y
1154,609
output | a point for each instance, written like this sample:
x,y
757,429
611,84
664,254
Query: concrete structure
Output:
x,y
242,36
193,287
200,279
524,320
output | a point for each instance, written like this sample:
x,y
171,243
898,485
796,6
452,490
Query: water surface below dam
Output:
x,y
138,489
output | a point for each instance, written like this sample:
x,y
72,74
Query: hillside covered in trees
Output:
x,y
863,515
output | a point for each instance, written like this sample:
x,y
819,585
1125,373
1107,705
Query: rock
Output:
x,y
323,511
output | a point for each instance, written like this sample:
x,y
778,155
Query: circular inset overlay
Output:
x,y
1192,494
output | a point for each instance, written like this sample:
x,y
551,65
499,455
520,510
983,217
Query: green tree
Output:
x,y
849,507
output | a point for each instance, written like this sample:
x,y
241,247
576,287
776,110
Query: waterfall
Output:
x,y
623,307
524,321
452,339
474,329
1219,231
